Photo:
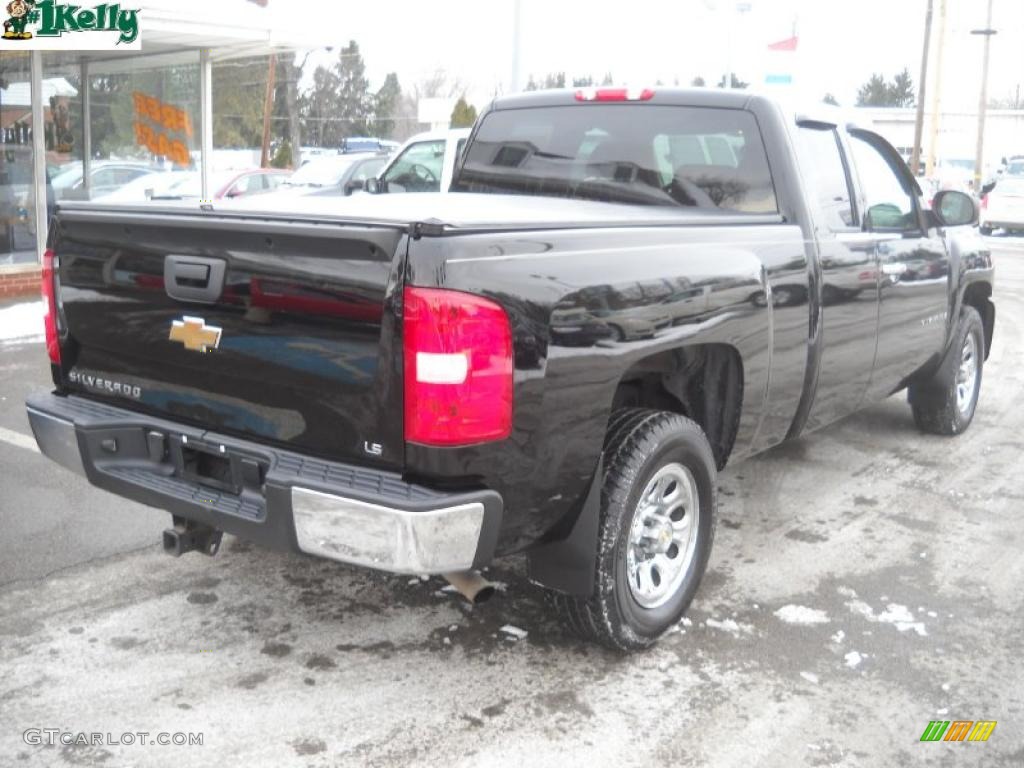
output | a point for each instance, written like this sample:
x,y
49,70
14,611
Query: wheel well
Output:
x,y
703,382
979,295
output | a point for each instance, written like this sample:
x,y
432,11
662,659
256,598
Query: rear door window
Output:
x,y
823,167
644,154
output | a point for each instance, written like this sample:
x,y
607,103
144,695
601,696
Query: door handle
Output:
x,y
194,278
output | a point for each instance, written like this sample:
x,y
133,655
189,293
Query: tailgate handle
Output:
x,y
194,278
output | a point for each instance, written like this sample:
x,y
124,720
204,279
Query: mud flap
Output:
x,y
567,564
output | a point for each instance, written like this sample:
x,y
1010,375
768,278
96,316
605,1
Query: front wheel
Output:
x,y
658,504
944,404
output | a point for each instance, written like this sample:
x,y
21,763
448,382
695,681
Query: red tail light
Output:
x,y
614,94
50,297
984,202
458,368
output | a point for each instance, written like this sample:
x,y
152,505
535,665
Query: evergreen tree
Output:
x,y
737,84
464,114
354,101
878,92
902,90
319,107
555,80
387,103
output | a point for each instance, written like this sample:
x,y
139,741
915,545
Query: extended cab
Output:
x,y
625,291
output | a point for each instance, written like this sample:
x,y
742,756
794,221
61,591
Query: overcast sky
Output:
x,y
842,42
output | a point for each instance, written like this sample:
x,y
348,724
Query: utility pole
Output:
x,y
517,12
987,32
268,107
933,132
915,158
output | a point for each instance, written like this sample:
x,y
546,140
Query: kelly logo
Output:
x,y
51,25
958,730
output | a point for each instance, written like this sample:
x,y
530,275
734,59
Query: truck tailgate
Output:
x,y
275,330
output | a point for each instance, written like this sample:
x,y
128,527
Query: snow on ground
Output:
x,y
22,323
902,618
800,614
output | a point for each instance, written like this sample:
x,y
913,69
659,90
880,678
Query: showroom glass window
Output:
x,y
17,194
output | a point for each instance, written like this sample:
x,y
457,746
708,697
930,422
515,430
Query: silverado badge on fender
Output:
x,y
195,334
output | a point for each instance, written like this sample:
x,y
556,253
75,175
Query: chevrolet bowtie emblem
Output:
x,y
195,334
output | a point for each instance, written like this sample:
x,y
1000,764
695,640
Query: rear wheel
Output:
x,y
985,230
658,502
944,404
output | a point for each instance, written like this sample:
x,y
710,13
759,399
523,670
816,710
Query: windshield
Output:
x,y
1016,168
321,172
624,153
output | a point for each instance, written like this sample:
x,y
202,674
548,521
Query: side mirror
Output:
x,y
955,209
355,184
373,185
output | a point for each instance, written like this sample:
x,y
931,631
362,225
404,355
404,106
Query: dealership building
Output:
x,y
110,118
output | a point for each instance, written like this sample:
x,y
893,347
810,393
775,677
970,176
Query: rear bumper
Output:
x,y
279,499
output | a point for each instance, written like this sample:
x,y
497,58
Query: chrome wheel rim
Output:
x,y
663,536
967,375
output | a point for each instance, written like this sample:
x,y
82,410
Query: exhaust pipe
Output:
x,y
187,536
471,585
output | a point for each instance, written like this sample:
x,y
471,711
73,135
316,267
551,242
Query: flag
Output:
x,y
789,44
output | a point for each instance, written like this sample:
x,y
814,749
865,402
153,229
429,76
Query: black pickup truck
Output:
x,y
624,291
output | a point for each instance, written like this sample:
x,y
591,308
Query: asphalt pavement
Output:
x,y
866,579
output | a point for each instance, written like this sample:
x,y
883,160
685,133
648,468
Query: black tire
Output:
x,y
638,444
985,230
934,401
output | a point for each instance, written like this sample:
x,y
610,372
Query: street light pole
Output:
x,y
517,40
983,100
933,132
915,158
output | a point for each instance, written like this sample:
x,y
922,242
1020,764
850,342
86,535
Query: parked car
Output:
x,y
404,384
104,177
425,163
1003,206
229,184
367,144
154,184
1014,168
333,175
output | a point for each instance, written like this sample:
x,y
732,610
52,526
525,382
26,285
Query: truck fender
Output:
x,y
567,564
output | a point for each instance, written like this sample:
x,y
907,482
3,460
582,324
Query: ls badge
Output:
x,y
195,334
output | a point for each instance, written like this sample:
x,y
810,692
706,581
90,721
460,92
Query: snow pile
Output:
x,y
902,618
853,659
22,323
799,614
514,632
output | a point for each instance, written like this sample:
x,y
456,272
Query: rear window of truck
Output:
x,y
643,154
